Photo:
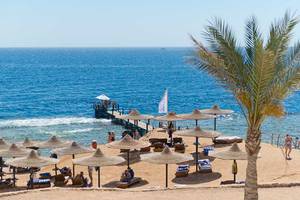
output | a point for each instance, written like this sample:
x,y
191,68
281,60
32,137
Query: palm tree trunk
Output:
x,y
252,148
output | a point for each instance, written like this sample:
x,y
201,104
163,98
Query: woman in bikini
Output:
x,y
288,146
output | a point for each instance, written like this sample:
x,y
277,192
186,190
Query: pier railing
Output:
x,y
277,140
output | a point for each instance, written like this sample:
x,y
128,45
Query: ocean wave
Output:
x,y
84,130
40,122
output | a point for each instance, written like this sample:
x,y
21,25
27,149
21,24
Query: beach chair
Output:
x,y
182,171
145,150
158,147
207,149
60,180
179,147
7,183
38,183
133,181
177,140
204,166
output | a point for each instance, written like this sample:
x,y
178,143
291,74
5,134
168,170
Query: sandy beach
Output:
x,y
272,169
192,194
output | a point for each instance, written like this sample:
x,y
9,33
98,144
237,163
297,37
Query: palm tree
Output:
x,y
260,75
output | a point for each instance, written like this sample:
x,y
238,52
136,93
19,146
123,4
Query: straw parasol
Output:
x,y
31,160
196,115
3,144
72,149
128,143
136,116
170,117
197,133
27,143
13,152
52,143
215,110
233,153
98,159
166,157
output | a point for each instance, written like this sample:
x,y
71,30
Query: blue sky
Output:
x,y
126,23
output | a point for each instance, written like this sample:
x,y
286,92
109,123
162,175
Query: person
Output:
x,y
113,136
109,137
288,146
90,169
79,179
126,176
136,135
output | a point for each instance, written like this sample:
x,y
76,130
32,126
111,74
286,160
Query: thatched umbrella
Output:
x,y
215,110
13,152
128,143
166,157
27,143
32,160
53,143
3,144
72,149
233,153
98,159
135,115
170,118
197,133
196,115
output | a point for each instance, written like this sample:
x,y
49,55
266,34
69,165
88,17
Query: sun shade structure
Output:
x,y
170,117
27,143
215,110
3,144
197,133
31,160
72,149
166,157
13,152
98,159
53,143
128,143
136,115
103,97
196,115
233,153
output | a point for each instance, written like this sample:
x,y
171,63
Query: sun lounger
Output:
x,y
38,183
204,166
7,183
207,149
179,147
227,140
158,147
60,180
145,150
124,185
177,140
182,171
155,140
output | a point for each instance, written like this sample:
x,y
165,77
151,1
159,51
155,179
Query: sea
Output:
x,y
51,91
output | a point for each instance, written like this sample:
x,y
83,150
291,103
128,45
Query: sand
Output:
x,y
192,194
272,168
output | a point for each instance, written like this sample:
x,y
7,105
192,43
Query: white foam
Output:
x,y
39,122
82,130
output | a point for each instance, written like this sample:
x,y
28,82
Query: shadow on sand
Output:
x,y
197,178
113,184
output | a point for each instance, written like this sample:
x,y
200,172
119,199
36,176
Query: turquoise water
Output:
x,y
47,92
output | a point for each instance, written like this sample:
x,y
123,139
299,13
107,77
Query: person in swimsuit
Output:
x,y
288,146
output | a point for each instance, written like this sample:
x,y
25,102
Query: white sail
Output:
x,y
163,104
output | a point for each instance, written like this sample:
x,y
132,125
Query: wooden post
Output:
x,y
99,177
197,142
166,175
73,156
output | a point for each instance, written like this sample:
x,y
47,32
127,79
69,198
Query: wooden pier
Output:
x,y
111,110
